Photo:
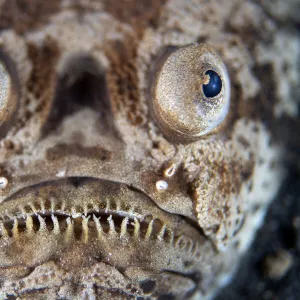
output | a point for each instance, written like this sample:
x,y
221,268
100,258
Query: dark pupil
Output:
x,y
214,86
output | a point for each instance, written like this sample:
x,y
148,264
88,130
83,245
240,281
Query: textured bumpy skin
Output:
x,y
96,203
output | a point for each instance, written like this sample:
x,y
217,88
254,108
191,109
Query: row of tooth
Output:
x,y
181,241
61,207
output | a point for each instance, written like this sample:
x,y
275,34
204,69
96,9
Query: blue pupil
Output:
x,y
214,86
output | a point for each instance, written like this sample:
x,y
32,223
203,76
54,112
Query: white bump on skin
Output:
x,y
161,185
3,183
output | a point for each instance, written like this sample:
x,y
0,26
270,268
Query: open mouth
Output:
x,y
101,219
84,202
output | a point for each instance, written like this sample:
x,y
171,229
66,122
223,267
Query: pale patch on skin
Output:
x,y
99,201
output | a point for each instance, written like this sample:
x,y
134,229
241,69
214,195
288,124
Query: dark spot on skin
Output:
x,y
236,244
188,264
250,187
166,297
25,15
255,208
214,228
240,223
244,142
61,150
202,39
246,174
148,285
225,237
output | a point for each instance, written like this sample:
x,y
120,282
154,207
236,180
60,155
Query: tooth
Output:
x,y
124,227
42,206
73,213
131,210
56,229
111,225
95,207
31,205
52,201
107,206
149,231
70,230
171,233
43,226
118,205
15,229
136,232
29,225
85,229
161,233
23,212
85,210
190,243
98,226
196,249
8,215
63,205
3,230
177,243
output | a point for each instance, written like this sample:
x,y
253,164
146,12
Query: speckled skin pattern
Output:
x,y
81,216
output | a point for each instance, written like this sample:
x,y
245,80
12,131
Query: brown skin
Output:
x,y
81,215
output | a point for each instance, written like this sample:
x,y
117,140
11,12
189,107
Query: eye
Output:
x,y
190,92
8,92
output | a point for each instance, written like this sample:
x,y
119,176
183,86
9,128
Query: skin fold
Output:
x,y
101,197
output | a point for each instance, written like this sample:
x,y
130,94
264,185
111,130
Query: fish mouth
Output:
x,y
87,219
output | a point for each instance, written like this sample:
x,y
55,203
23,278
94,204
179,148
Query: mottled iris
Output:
x,y
214,85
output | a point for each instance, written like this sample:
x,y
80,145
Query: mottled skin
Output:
x,y
81,215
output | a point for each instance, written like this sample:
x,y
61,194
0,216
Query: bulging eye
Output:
x,y
8,91
190,92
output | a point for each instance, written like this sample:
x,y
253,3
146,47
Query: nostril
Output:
x,y
81,84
